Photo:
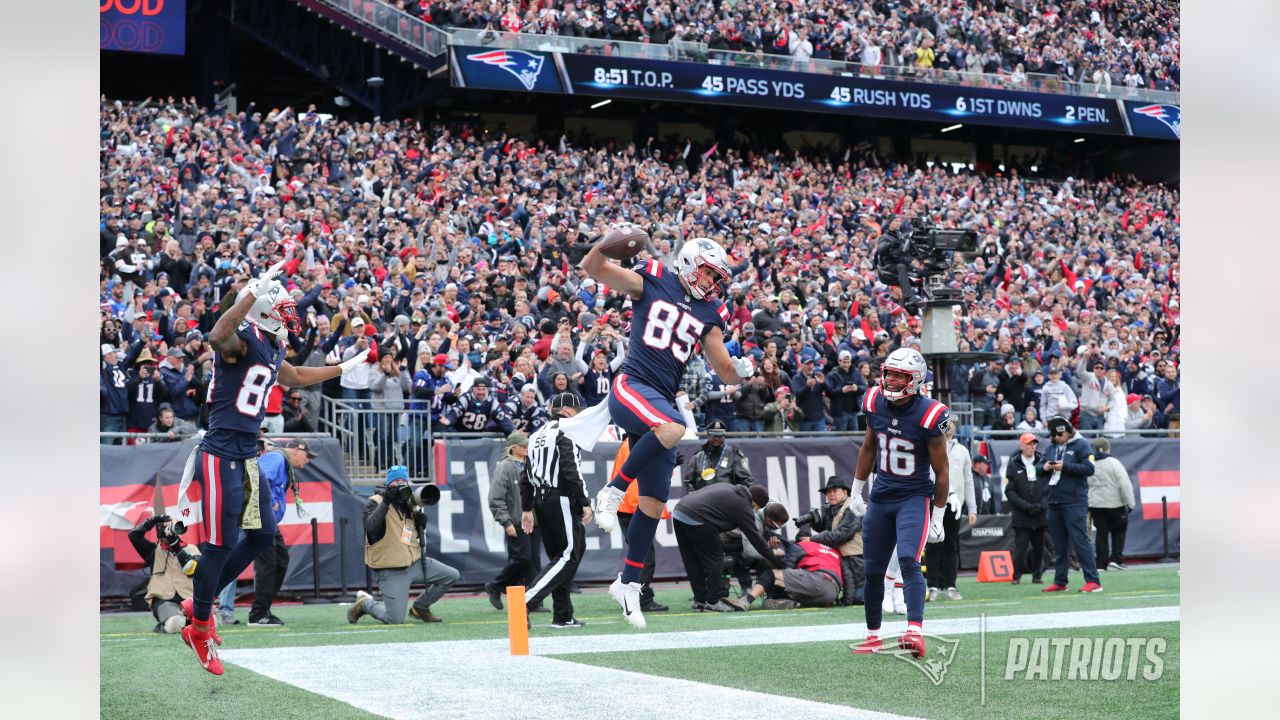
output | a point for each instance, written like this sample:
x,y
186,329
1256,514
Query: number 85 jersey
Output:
x,y
238,395
666,325
902,433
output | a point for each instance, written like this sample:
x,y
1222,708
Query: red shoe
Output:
x,y
1091,587
1055,588
913,641
203,646
188,609
868,646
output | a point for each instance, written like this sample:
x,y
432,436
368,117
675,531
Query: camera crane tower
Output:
x,y
936,248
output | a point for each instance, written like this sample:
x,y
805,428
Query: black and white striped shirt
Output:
x,y
552,468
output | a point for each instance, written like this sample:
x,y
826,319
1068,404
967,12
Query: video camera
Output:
x,y
936,247
169,537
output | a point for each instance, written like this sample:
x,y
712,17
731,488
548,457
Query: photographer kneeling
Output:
x,y
838,527
812,578
172,564
394,523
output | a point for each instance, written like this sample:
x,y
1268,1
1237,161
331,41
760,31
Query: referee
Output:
x,y
552,486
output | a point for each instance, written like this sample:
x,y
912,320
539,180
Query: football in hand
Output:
x,y
623,241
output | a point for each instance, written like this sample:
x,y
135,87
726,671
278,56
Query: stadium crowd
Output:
x,y
451,249
1104,42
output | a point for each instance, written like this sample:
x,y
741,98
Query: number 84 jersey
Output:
x,y
238,395
902,433
667,324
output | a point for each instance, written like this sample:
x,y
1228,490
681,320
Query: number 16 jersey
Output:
x,y
238,395
902,435
667,324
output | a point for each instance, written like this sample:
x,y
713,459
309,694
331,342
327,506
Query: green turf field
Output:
x,y
147,675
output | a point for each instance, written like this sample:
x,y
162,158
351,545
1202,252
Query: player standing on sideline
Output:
x,y
674,310
248,342
905,436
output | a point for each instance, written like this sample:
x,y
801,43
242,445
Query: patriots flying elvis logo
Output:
x,y
1170,115
525,66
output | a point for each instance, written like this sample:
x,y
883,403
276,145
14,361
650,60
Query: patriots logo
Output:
x,y
525,66
1170,115
934,665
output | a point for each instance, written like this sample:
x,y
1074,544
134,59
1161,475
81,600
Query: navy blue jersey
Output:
x,y
471,414
528,419
666,325
595,387
238,395
722,409
903,433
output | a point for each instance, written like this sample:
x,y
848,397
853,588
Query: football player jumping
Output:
x,y
674,310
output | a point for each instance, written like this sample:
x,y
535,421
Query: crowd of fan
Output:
x,y
452,251
1105,42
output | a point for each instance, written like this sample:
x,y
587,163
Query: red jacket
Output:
x,y
819,557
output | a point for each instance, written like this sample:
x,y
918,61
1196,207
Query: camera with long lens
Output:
x,y
170,538
814,515
420,495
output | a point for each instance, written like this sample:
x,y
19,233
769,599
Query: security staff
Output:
x,y
169,584
504,504
552,491
1026,495
393,534
717,462
840,528
1067,468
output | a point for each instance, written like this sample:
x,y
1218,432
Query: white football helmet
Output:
x,y
694,256
902,374
275,312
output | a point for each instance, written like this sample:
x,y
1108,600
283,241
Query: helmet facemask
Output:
x,y
896,383
285,312
706,281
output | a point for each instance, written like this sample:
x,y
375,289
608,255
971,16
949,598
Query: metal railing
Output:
x,y
980,434
681,51
376,434
394,22
134,438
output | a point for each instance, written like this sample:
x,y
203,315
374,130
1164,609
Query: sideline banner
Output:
x,y
462,533
142,480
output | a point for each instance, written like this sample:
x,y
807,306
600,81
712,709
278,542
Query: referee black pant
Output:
x,y
703,557
565,539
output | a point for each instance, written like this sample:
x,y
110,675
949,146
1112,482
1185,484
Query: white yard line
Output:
x,y
478,678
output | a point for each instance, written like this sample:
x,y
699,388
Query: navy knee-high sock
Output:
x,y
639,539
912,588
643,452
204,582
243,554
